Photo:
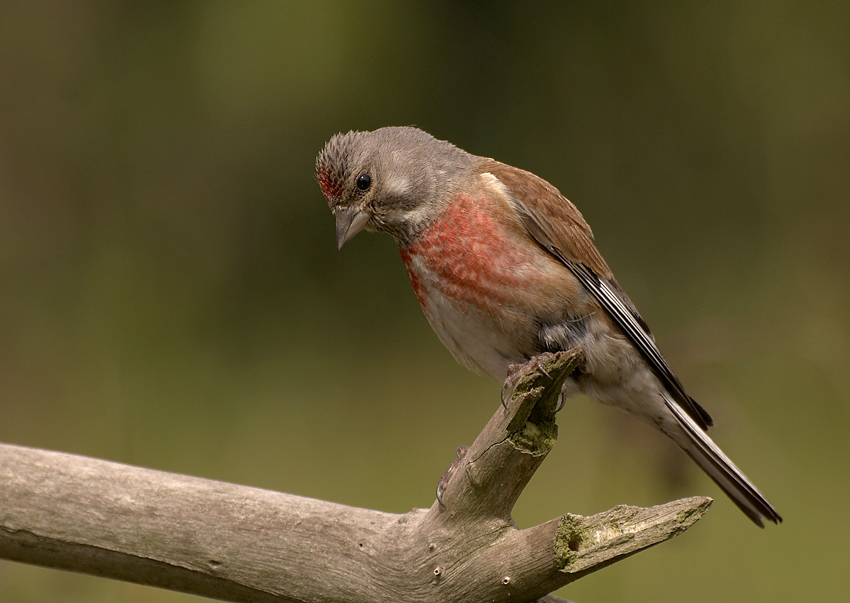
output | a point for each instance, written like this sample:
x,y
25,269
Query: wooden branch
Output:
x,y
244,544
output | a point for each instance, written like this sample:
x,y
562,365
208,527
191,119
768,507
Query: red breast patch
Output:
x,y
470,255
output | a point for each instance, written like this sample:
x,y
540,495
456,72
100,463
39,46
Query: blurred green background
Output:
x,y
171,295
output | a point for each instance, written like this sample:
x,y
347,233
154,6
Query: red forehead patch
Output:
x,y
331,187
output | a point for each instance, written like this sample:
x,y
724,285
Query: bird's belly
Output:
x,y
474,338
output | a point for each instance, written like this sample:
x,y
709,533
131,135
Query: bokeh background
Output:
x,y
171,295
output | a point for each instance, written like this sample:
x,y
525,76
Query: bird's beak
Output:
x,y
349,221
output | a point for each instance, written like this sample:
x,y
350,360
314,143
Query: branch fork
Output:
x,y
243,544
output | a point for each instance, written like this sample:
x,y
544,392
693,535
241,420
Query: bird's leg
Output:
x,y
444,480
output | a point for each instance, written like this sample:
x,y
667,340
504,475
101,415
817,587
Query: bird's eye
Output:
x,y
364,181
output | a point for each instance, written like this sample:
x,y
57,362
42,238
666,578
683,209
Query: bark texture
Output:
x,y
243,544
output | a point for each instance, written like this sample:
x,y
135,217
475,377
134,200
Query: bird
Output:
x,y
506,270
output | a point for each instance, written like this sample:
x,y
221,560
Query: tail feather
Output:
x,y
722,470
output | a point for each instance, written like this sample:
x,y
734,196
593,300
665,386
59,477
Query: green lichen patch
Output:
x,y
528,395
537,393
569,539
537,387
535,438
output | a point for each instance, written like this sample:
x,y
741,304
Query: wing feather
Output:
x,y
558,226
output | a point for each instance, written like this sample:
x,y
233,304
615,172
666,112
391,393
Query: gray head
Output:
x,y
392,180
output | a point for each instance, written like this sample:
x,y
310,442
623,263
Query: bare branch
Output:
x,y
244,544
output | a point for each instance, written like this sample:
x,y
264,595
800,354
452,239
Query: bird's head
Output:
x,y
393,180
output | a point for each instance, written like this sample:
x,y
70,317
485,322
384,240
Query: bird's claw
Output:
x,y
508,389
444,480
562,398
516,373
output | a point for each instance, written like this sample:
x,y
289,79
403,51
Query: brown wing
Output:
x,y
556,217
558,226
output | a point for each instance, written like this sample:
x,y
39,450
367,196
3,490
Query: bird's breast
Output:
x,y
476,256
484,283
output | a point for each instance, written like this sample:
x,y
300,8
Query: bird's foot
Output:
x,y
517,371
444,480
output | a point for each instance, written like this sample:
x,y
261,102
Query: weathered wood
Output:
x,y
238,543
